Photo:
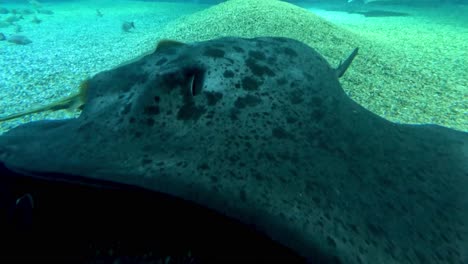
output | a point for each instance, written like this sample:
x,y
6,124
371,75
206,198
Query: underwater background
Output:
x,y
412,65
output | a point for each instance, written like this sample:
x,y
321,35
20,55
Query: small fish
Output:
x,y
36,20
26,11
18,39
4,10
2,37
99,13
127,26
14,18
45,11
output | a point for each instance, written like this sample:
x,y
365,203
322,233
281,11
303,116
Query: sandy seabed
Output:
x,y
411,69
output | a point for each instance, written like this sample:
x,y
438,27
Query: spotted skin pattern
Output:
x,y
261,130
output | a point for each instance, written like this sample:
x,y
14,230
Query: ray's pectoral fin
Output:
x,y
341,69
71,103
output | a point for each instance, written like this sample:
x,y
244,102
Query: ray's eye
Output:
x,y
195,78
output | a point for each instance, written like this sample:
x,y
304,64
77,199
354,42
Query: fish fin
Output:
x,y
341,69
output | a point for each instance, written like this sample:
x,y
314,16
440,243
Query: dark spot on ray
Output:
x,y
258,176
234,114
237,85
316,199
233,159
247,101
291,120
375,230
146,161
250,84
296,97
228,74
157,99
214,53
268,156
151,110
318,114
281,81
243,195
189,111
421,257
290,52
161,61
271,60
295,83
138,134
213,97
147,148
132,120
238,49
150,122
214,179
354,228
203,166
280,133
257,55
309,77
316,101
257,69
331,242
385,181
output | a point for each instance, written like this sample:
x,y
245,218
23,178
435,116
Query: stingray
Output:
x,y
380,13
260,130
368,13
